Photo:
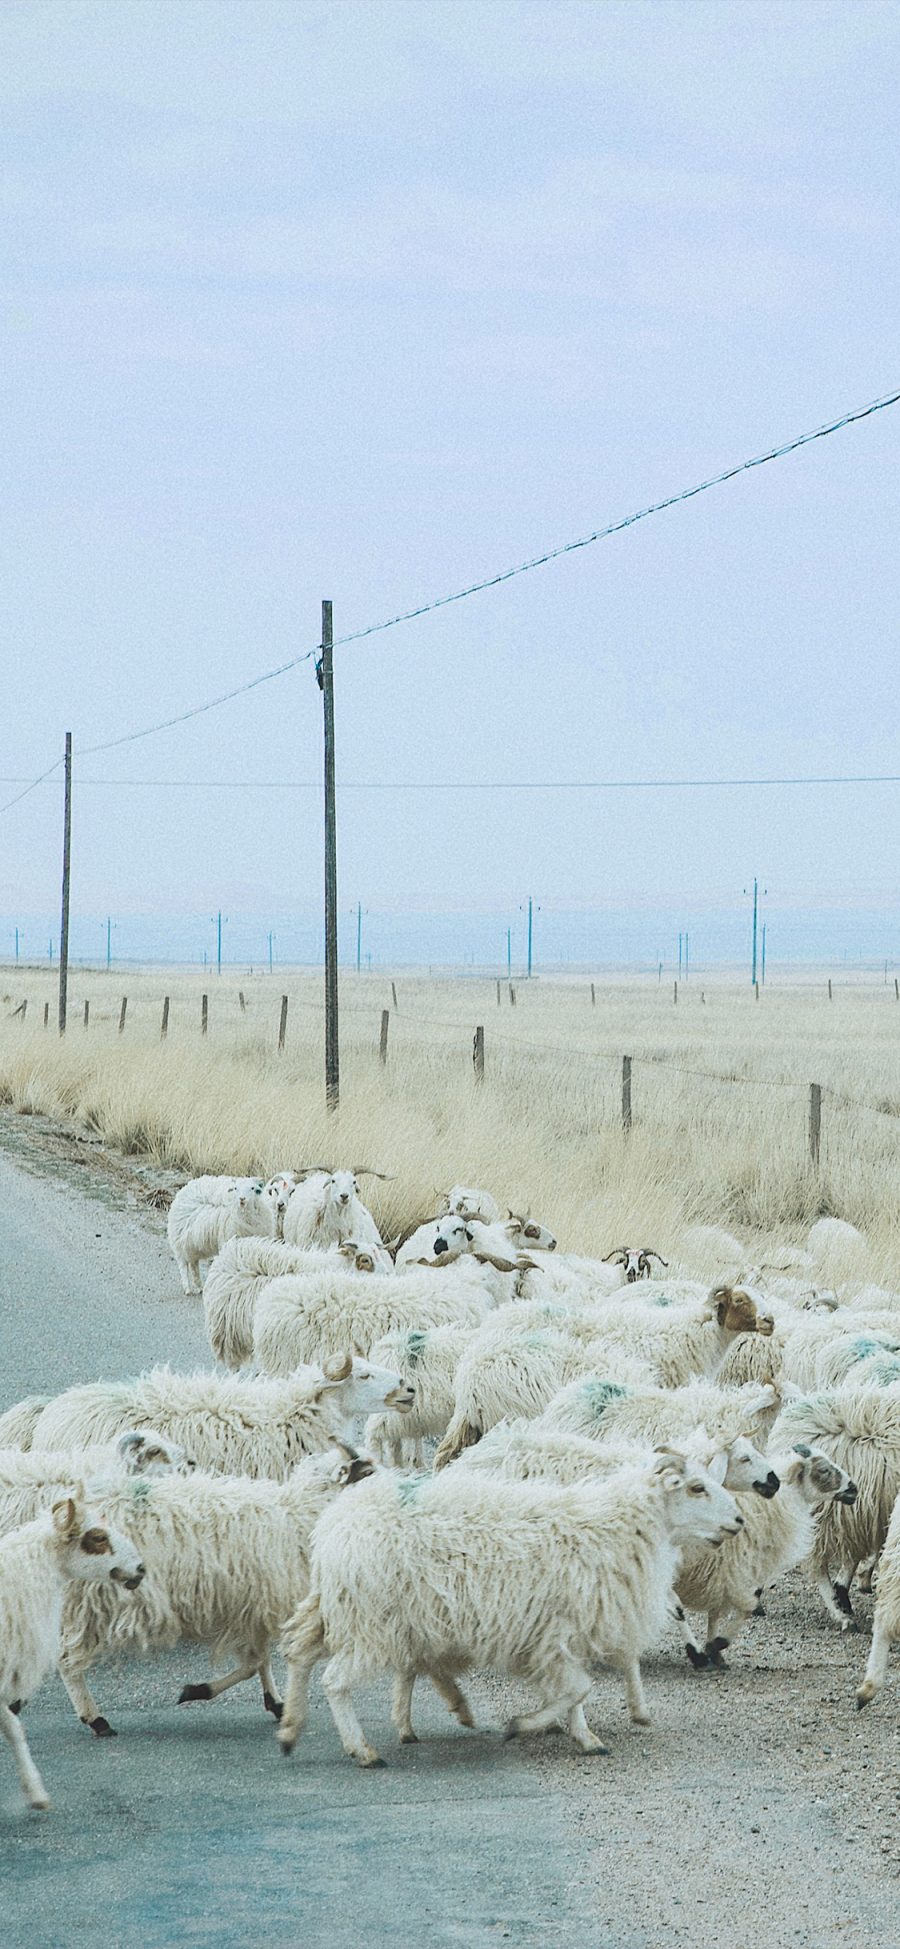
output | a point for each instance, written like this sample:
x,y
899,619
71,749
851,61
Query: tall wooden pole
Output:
x,y
64,923
332,1057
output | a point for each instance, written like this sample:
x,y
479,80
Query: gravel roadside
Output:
x,y
758,1812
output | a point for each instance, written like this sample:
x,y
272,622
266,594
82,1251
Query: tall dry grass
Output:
x,y
544,1131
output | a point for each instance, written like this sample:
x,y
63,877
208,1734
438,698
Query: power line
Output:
x,y
470,784
507,575
29,788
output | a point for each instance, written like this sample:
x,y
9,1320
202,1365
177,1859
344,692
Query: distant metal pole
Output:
x,y
755,920
680,950
359,936
17,953
218,944
509,952
64,924
762,963
530,933
108,940
626,1092
332,1053
270,953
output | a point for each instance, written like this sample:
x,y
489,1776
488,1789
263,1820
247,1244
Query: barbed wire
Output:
x,y
29,788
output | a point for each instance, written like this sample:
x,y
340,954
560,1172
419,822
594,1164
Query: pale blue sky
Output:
x,y
368,300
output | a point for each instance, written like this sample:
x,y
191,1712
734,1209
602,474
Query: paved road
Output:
x,y
752,1815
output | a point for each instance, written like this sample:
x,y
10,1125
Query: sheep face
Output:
x,y
748,1469
340,1188
528,1236
143,1451
90,1551
737,1312
462,1198
634,1260
366,1257
698,1506
818,1478
361,1388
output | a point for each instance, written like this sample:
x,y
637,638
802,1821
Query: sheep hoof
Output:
x,y
189,1693
698,1659
714,1651
863,1697
641,1719
271,1704
15,1706
369,1758
842,1599
409,1738
759,1611
39,1802
511,1730
101,1728
287,1742
595,1748
849,1625
464,1718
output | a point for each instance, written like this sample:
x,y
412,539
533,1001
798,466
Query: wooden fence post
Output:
x,y
394,993
242,1001
675,996
593,996
87,1013
829,988
204,1014
815,1123
896,989
498,994
46,1015
122,1013
282,1025
512,996
478,1054
164,1025
382,1040
756,986
626,1092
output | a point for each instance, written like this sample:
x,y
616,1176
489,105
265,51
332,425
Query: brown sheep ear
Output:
x,y
359,1468
338,1366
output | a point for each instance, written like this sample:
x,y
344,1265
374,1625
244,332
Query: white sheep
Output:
x,y
886,1621
505,1373
228,1424
427,1360
32,1479
727,1583
209,1210
70,1543
18,1423
309,1316
226,1564
613,1409
438,1574
245,1265
464,1198
326,1208
859,1429
523,1451
838,1250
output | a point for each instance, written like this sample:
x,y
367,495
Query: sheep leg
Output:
x,y
401,1709
575,1685
866,1577
84,1702
634,1692
303,1648
445,1685
32,1785
213,1688
336,1686
841,1613
877,1665
847,1569
693,1652
722,1630
272,1699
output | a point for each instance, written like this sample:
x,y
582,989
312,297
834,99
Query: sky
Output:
x,y
368,302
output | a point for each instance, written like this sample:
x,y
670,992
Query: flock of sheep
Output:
x,y
618,1447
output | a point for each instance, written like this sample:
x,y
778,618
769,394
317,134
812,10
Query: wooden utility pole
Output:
x,y
383,1040
64,924
626,1092
332,1050
815,1124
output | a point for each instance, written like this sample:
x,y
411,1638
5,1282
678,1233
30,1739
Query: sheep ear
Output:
x,y
347,1249
469,1235
718,1467
338,1366
65,1516
670,1477
800,1448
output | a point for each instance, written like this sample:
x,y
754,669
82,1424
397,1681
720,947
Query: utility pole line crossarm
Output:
x,y
64,924
332,1057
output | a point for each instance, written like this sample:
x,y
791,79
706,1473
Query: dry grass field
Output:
x,y
720,1093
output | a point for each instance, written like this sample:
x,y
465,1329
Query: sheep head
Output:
x,y
737,1312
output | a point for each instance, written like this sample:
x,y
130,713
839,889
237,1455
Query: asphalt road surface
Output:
x,y
758,1810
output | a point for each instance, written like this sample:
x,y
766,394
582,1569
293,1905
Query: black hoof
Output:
x,y
714,1650
101,1728
16,1706
842,1599
189,1693
758,1611
698,1659
273,1705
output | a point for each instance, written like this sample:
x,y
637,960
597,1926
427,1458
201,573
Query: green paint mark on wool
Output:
x,y
664,1299
140,1490
408,1487
884,1373
415,1347
599,1395
863,1349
